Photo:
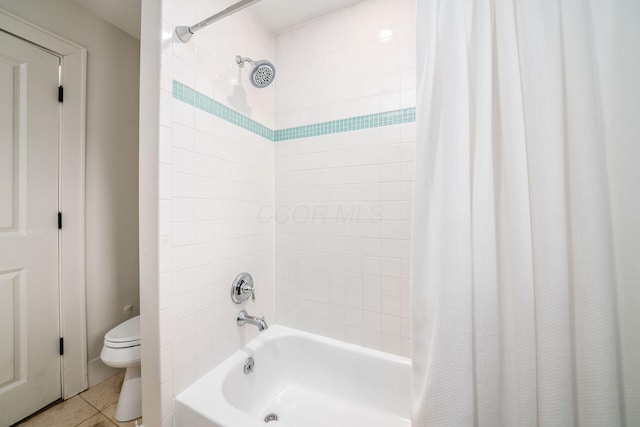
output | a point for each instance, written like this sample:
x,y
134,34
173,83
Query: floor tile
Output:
x,y
110,412
105,393
68,413
97,420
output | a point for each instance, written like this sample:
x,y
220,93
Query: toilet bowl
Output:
x,y
121,349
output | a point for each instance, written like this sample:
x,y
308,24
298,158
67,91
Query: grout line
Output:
x,y
94,416
90,416
96,408
91,404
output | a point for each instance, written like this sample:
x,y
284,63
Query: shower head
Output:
x,y
262,72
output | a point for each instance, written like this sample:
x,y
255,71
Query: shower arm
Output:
x,y
240,61
184,33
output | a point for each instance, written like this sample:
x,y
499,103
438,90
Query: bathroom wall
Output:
x,y
111,163
214,177
218,193
343,199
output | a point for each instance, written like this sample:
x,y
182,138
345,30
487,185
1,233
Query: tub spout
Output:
x,y
244,317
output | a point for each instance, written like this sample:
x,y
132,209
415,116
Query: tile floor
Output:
x,y
95,407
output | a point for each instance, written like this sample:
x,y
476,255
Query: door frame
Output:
x,y
73,320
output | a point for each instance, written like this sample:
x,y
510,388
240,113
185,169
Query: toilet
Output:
x,y
122,350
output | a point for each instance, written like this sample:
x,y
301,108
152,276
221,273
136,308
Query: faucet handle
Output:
x,y
241,288
247,288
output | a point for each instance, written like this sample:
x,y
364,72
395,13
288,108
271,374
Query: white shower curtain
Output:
x,y
526,261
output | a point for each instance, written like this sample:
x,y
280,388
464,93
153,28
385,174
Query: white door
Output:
x,y
29,291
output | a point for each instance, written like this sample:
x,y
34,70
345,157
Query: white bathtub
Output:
x,y
306,380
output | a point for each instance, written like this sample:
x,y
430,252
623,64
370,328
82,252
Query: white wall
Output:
x,y
343,201
358,60
214,177
111,162
151,41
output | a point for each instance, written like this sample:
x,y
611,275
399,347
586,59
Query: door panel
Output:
x,y
11,317
7,207
29,283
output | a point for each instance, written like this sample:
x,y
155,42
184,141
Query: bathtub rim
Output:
x,y
193,399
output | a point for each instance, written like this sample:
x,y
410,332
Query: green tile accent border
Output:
x,y
388,118
202,102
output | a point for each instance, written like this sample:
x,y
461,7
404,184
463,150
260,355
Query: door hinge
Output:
x,y
60,93
59,220
61,346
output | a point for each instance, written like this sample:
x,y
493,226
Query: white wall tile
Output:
x,y
212,178
342,64
343,201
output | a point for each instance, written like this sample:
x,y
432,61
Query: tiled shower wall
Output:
x,y
343,201
340,199
214,179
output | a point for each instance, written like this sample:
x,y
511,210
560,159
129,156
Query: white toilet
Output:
x,y
122,350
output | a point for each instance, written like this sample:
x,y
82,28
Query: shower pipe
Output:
x,y
184,33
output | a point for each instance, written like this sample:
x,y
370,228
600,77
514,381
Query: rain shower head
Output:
x,y
262,72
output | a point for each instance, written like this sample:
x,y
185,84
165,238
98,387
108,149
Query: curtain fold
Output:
x,y
525,271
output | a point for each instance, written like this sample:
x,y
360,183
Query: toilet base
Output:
x,y
130,401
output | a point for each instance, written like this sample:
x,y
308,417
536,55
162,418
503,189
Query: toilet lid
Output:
x,y
127,332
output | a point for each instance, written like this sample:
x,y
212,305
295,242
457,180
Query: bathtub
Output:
x,y
305,380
